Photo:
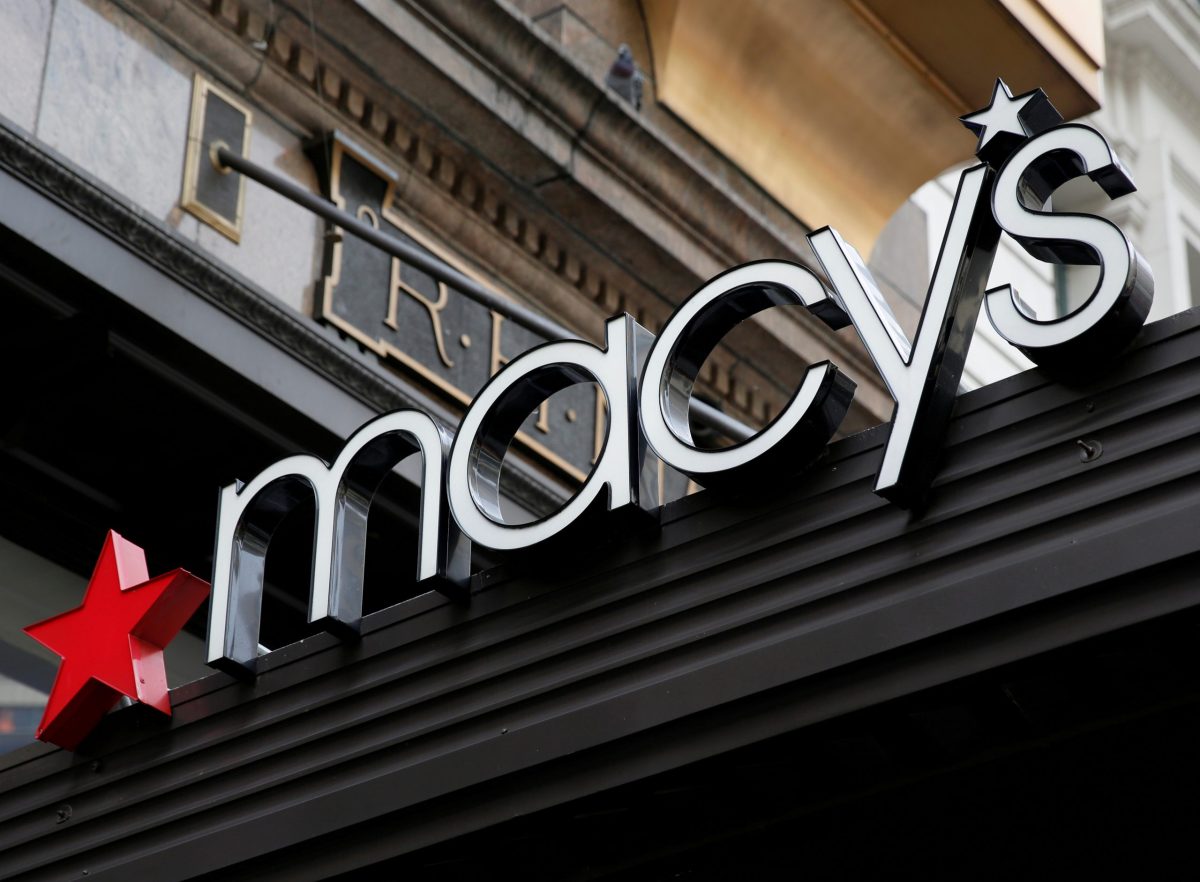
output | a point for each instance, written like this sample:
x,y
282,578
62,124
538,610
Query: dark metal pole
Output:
x,y
515,312
410,254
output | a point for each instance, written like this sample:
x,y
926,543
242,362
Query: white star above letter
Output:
x,y
1007,122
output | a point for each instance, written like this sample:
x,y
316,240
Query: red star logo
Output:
x,y
112,645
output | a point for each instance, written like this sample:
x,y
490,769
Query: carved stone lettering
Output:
x,y
428,331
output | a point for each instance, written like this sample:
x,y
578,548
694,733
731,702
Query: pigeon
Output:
x,y
624,78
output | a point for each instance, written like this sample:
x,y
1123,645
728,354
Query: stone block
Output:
x,y
399,136
26,29
116,102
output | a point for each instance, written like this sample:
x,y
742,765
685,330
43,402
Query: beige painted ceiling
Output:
x,y
842,108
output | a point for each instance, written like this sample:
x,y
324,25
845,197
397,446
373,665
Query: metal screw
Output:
x,y
64,813
1089,450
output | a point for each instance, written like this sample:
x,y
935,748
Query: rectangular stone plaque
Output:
x,y
214,195
427,329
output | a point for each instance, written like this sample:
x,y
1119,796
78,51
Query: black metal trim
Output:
x,y
745,616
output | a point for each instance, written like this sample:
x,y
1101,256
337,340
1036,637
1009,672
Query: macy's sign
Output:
x,y
647,383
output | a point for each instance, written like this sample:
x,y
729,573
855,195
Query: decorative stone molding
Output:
x,y
582,285
431,157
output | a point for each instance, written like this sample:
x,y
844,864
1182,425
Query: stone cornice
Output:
x,y
700,199
700,207
537,224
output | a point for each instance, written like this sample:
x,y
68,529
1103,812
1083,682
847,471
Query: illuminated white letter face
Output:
x,y
923,377
248,515
800,432
1118,306
498,411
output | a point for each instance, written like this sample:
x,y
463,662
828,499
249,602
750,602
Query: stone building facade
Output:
x,y
497,145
